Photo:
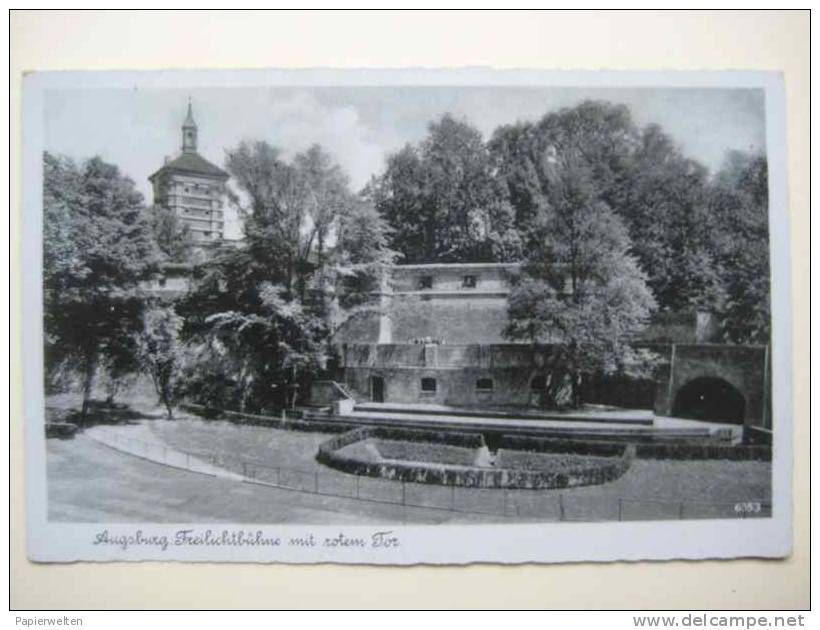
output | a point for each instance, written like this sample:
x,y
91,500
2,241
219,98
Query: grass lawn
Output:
x,y
426,452
553,462
88,482
91,483
649,490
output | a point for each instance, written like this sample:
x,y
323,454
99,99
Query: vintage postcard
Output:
x,y
398,317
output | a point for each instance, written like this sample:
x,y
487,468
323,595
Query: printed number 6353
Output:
x,y
752,507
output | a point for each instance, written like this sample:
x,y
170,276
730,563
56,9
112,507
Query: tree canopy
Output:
x,y
173,237
739,203
610,220
581,291
661,196
263,312
97,248
442,200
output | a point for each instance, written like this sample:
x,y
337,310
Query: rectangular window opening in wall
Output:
x,y
425,282
428,385
484,385
469,282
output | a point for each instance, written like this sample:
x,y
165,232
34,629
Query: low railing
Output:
x,y
505,504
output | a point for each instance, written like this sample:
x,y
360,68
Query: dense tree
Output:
x,y
262,313
442,201
362,254
641,176
580,290
288,209
161,355
173,237
97,248
664,201
739,203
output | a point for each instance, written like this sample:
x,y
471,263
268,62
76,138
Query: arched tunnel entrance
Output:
x,y
709,398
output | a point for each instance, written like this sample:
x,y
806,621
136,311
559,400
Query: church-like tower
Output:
x,y
189,132
192,187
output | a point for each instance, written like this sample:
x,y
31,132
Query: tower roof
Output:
x,y
189,118
192,164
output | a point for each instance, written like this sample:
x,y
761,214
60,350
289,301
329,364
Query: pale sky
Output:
x,y
360,126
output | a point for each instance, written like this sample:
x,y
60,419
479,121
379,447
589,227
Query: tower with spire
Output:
x,y
189,131
192,187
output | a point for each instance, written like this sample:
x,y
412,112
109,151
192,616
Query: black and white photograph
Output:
x,y
403,317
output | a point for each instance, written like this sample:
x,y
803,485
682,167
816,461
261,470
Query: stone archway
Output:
x,y
710,398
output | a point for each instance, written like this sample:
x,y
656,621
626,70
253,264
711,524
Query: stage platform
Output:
x,y
596,415
589,424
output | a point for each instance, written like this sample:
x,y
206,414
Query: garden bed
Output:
x,y
426,452
553,462
342,453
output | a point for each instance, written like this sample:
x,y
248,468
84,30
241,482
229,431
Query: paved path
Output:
x,y
138,440
89,482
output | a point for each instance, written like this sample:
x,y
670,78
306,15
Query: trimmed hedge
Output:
x,y
692,451
448,475
235,417
467,440
644,450
451,438
704,448
535,444
405,450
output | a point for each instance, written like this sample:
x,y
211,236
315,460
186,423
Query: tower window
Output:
x,y
425,282
469,282
428,385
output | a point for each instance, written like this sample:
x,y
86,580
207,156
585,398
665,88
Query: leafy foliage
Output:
x,y
580,290
173,237
442,201
609,219
161,355
263,312
739,203
97,248
639,174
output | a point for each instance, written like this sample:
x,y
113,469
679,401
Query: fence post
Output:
x,y
316,482
561,507
453,497
357,486
187,460
277,476
680,510
620,508
403,492
244,469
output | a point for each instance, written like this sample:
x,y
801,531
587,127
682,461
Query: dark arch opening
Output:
x,y
708,398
